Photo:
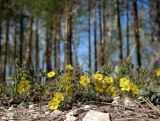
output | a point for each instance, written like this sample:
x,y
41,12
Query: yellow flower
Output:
x,y
134,89
109,80
69,67
59,96
64,83
23,86
98,76
20,89
67,77
69,90
23,78
125,84
111,90
53,104
84,80
157,71
65,80
100,86
51,74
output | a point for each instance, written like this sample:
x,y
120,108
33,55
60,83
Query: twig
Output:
x,y
151,105
124,119
127,107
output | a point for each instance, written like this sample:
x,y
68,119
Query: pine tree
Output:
x,y
136,31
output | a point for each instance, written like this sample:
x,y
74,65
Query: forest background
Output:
x,y
87,34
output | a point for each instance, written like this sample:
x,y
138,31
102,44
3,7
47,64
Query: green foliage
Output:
x,y
77,87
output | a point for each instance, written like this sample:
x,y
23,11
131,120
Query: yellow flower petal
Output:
x,y
59,96
111,90
98,76
51,74
157,72
53,104
84,80
134,89
23,86
69,90
109,80
68,67
125,84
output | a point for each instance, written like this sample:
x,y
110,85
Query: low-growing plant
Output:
x,y
70,86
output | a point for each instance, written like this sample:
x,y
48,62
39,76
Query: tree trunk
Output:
x,y
58,45
127,31
95,37
155,32
0,39
103,31
21,38
68,42
55,43
6,47
136,31
119,33
89,36
48,50
29,49
100,32
1,13
15,39
37,48
0,50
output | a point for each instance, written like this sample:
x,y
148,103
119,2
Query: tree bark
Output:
x,y
15,39
100,32
68,42
95,36
0,40
155,33
1,13
89,36
21,38
48,50
55,43
119,32
127,31
6,47
102,2
1,20
58,45
136,31
37,47
29,49
0,48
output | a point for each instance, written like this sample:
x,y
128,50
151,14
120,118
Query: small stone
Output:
x,y
11,120
93,115
31,106
47,113
10,115
116,100
56,112
20,106
86,107
35,116
128,102
70,118
71,113
11,108
31,111
4,118
45,108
